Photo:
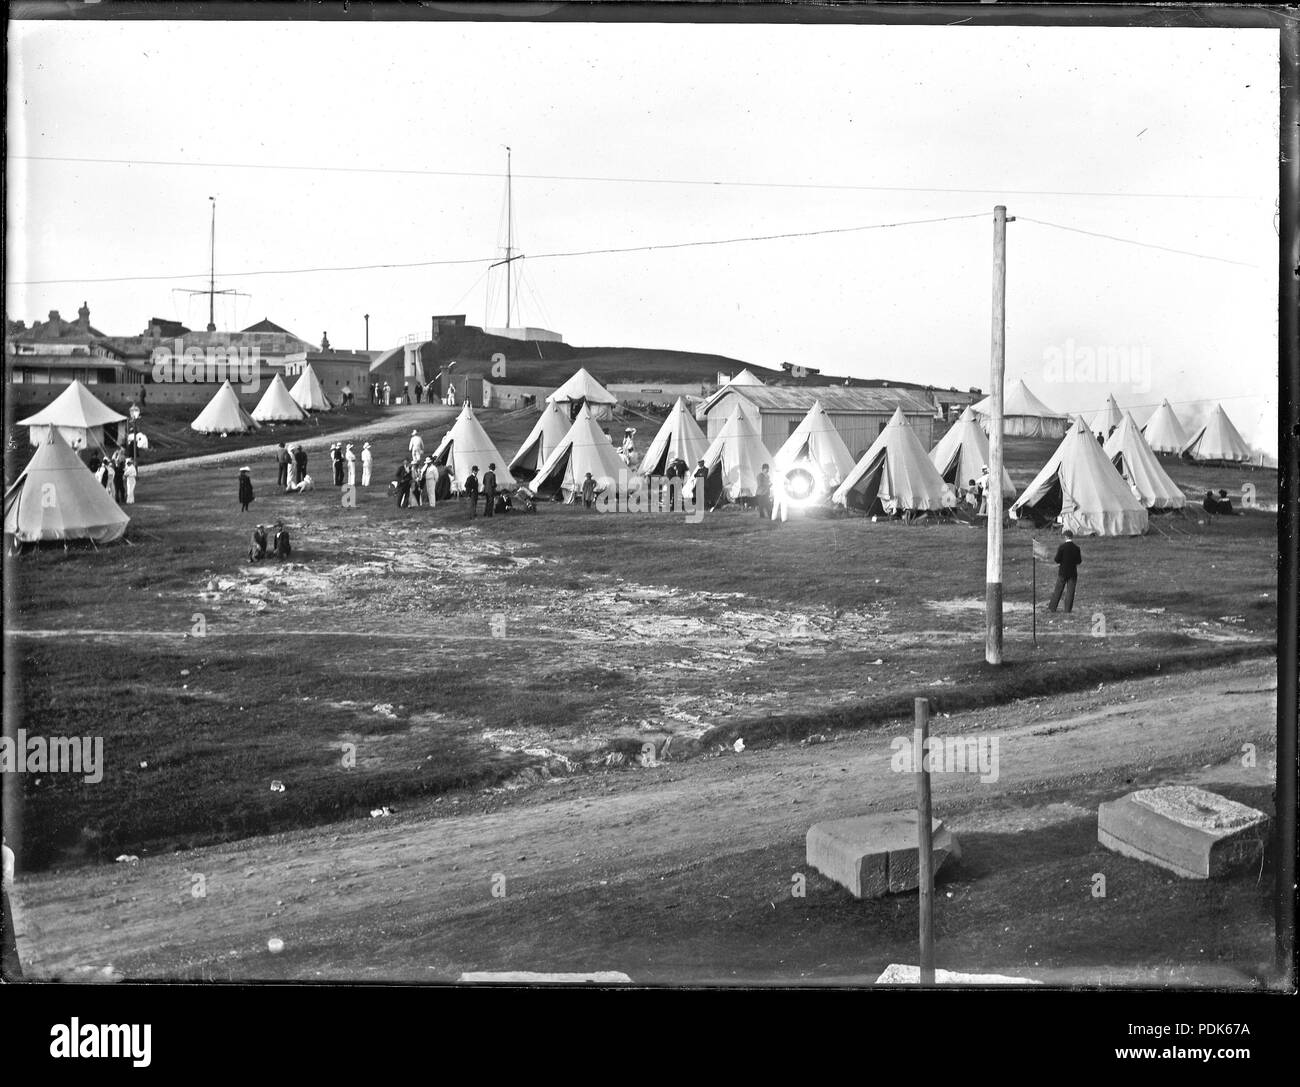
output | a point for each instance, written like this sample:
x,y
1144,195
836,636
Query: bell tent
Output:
x,y
549,430
1106,420
1217,440
56,497
308,393
582,389
78,415
1081,487
277,405
733,461
1163,432
585,448
894,475
1133,459
814,460
680,436
224,414
963,453
1023,415
467,444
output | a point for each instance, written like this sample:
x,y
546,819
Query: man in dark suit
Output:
x,y
1068,559
282,460
489,489
470,488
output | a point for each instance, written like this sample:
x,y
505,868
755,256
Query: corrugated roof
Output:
x,y
834,398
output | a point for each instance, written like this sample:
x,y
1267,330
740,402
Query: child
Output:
x,y
245,490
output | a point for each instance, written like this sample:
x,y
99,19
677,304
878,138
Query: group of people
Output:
x,y
117,474
280,547
1221,505
292,475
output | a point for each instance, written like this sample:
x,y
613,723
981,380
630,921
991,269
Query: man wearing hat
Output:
x,y
280,542
416,447
367,462
350,459
257,550
982,489
282,459
489,489
245,489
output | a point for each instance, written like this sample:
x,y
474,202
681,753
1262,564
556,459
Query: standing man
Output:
x,y
697,486
1068,559
588,492
470,487
282,463
300,458
763,494
388,394
404,485
367,463
982,490
415,447
489,490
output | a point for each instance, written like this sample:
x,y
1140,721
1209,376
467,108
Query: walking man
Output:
x,y
763,494
1068,559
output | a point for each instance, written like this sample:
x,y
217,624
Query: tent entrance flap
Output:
x,y
865,494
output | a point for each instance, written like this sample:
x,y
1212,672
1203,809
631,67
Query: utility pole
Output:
x,y
212,269
367,332
993,566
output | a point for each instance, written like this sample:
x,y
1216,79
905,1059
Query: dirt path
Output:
x,y
422,417
411,895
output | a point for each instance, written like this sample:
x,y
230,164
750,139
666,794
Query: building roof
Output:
x,y
56,329
836,399
335,354
267,325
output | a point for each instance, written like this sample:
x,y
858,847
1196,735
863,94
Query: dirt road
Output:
x,y
689,871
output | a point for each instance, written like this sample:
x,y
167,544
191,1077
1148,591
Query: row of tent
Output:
x,y
224,414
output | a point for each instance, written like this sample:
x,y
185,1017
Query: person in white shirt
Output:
x,y
351,459
130,473
416,447
367,462
307,484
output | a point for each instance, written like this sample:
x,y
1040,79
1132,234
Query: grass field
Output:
x,y
448,654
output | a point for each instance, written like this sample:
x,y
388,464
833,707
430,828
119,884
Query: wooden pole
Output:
x,y
925,867
993,566
1033,559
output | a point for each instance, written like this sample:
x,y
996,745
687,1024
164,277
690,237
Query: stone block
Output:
x,y
1189,831
874,855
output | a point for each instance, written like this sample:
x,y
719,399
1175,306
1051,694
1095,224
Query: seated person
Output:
x,y
302,487
503,503
280,546
1225,505
257,550
1210,504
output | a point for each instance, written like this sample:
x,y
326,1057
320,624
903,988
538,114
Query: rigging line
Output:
x,y
542,256
703,182
1133,241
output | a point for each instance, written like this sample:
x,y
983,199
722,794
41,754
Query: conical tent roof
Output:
x,y
582,386
962,454
1217,440
1108,418
549,430
1081,486
585,448
277,405
76,406
745,378
58,498
308,393
467,444
224,414
1129,453
679,436
816,444
1023,414
734,459
1163,432
895,472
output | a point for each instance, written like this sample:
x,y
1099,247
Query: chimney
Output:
x,y
83,317
54,315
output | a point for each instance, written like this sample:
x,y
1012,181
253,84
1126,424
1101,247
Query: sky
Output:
x,y
333,146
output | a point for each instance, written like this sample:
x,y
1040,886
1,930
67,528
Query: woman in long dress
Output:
x,y
351,459
292,480
367,462
129,472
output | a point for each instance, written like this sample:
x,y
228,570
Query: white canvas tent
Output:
x,y
224,414
467,444
894,475
814,451
582,389
308,393
77,414
1108,418
733,461
1132,457
1023,415
56,497
1163,432
549,430
583,449
277,405
1217,440
741,380
1081,487
679,436
963,453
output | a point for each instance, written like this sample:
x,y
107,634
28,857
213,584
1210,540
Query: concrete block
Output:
x,y
874,855
1189,831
